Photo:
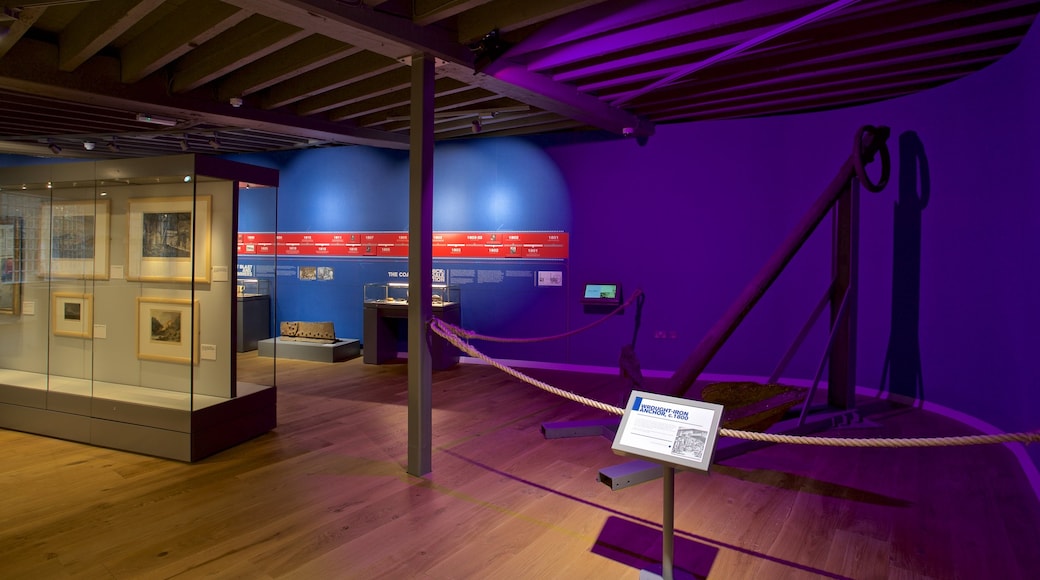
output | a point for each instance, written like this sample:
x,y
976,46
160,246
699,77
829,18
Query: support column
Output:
x,y
420,266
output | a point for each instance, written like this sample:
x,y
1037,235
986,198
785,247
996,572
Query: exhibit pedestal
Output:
x,y
254,320
136,419
341,350
386,330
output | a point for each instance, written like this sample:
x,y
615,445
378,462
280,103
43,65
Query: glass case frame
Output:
x,y
123,330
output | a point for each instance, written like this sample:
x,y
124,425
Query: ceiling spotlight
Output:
x,y
184,143
89,145
113,146
156,120
55,148
236,102
214,143
476,126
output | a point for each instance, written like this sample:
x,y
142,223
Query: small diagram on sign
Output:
x,y
690,443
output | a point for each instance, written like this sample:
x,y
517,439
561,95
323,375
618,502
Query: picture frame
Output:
x,y
161,330
74,239
169,239
72,314
11,265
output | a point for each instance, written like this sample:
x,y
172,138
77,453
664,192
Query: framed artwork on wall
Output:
x,y
11,266
72,314
169,239
168,330
74,239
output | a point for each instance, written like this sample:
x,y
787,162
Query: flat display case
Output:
x,y
385,322
253,287
397,293
117,316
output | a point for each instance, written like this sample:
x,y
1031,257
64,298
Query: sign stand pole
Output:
x,y
668,521
668,529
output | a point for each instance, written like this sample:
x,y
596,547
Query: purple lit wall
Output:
x,y
949,270
951,242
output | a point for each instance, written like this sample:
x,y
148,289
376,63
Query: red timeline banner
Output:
x,y
487,245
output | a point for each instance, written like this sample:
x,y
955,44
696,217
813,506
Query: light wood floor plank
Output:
x,y
326,495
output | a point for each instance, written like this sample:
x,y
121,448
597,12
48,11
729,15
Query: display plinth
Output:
x,y
254,320
341,350
385,330
136,419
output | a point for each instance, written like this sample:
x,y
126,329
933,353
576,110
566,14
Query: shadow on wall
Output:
x,y
902,367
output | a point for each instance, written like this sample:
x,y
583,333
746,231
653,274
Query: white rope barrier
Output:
x,y
470,335
454,334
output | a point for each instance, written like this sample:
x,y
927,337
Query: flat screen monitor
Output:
x,y
602,294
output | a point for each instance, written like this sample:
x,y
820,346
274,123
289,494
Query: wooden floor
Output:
x,y
326,495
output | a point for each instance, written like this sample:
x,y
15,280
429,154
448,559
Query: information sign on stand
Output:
x,y
669,430
677,433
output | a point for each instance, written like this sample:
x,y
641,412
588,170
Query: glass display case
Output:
x,y
397,293
385,322
116,320
253,287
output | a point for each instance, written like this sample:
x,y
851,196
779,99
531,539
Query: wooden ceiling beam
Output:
x,y
249,41
398,38
189,26
444,89
507,17
425,12
331,76
294,60
30,69
18,27
97,26
370,88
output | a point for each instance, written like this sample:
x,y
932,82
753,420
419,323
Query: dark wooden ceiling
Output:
x,y
268,75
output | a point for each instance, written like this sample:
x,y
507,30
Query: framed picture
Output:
x,y
11,266
168,330
74,239
163,246
72,314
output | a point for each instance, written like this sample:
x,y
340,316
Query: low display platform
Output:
x,y
341,350
157,422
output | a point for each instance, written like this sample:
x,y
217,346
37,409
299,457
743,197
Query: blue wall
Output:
x,y
949,280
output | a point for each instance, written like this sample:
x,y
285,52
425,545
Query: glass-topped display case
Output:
x,y
116,320
385,315
397,293
253,287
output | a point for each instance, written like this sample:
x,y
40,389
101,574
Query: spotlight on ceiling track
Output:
x,y
55,148
89,145
184,143
214,143
113,146
476,126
